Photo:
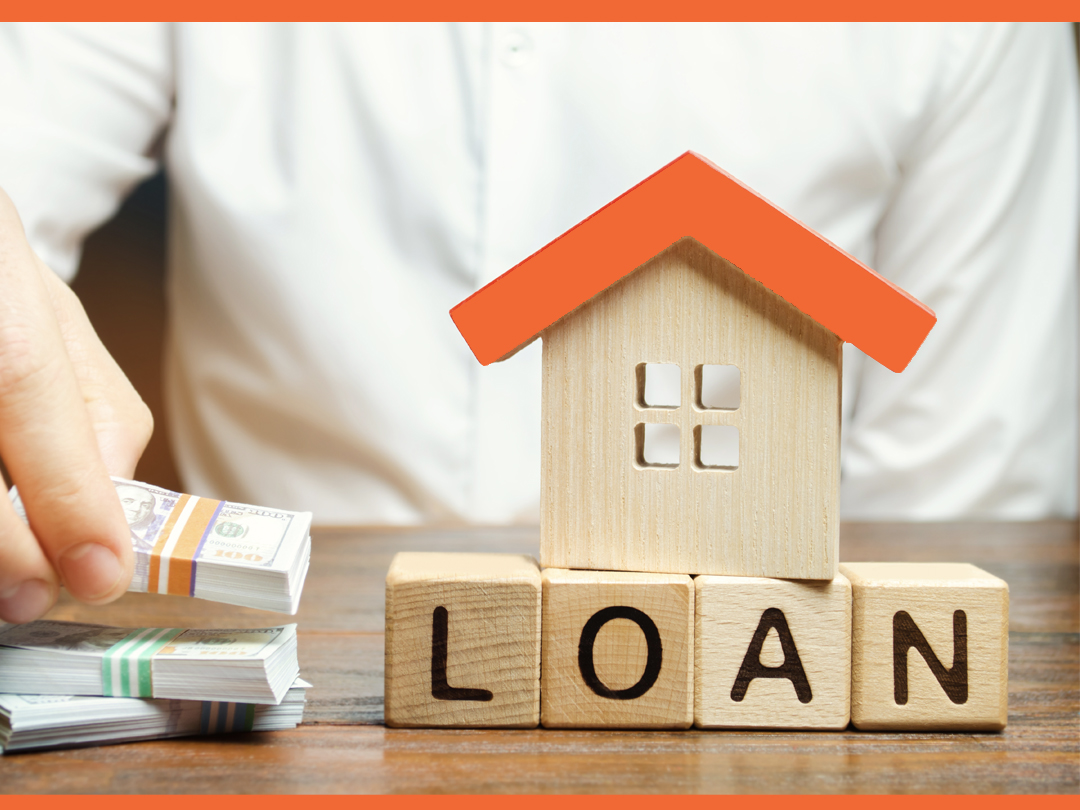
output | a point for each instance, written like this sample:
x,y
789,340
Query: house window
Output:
x,y
717,387
717,447
659,388
659,385
657,445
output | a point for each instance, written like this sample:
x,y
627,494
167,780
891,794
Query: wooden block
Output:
x,y
462,641
604,507
930,647
618,650
772,653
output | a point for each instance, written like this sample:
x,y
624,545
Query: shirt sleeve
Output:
x,y
983,229
80,108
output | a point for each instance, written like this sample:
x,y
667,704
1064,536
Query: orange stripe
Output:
x,y
159,546
546,11
180,561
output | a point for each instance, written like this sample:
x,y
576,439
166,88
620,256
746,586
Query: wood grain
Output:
x,y
776,515
462,641
341,749
817,617
623,657
908,618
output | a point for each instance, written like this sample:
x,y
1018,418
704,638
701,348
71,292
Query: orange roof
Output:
x,y
693,197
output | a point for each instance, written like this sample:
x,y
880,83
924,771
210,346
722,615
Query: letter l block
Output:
x,y
930,647
462,641
618,650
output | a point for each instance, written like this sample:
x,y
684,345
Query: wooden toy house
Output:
x,y
691,307
693,279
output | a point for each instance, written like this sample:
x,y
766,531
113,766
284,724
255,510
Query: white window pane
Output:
x,y
719,446
661,445
720,387
662,386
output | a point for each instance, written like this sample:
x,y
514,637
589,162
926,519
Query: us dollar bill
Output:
x,y
75,638
69,658
32,722
219,550
236,534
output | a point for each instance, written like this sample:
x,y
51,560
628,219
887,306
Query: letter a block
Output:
x,y
930,647
772,653
618,650
463,641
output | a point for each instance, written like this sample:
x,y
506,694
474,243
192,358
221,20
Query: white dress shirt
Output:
x,y
336,189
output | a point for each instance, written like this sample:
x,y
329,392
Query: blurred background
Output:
x,y
121,282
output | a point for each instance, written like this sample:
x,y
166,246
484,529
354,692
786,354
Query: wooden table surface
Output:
x,y
342,746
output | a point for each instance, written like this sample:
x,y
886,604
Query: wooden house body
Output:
x,y
606,505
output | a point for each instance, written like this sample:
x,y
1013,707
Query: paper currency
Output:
x,y
66,658
30,722
226,552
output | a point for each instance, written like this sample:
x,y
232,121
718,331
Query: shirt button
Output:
x,y
516,49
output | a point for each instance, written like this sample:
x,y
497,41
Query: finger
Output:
x,y
46,438
118,416
28,584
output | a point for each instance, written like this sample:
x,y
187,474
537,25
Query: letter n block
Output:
x,y
930,647
772,653
463,641
618,650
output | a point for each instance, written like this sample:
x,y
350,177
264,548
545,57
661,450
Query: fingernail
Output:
x,y
90,571
26,601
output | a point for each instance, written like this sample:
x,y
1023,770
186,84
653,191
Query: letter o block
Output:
x,y
618,650
462,641
930,647
772,653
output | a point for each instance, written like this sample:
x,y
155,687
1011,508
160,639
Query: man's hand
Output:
x,y
69,419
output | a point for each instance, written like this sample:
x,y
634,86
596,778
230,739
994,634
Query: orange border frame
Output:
x,y
539,10
551,9
541,802
693,197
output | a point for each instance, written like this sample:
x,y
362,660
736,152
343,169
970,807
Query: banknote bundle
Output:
x,y
218,550
65,684
66,658
28,722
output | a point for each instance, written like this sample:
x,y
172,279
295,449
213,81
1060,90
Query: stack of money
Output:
x,y
218,550
29,722
64,684
66,658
